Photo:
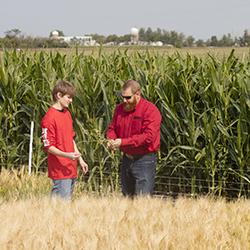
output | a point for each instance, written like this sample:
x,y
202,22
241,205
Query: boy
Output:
x,y
58,140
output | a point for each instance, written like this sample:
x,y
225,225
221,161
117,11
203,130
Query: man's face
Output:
x,y
129,98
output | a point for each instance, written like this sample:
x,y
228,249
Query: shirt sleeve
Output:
x,y
111,134
48,134
150,129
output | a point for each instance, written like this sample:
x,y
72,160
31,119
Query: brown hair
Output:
x,y
64,87
134,85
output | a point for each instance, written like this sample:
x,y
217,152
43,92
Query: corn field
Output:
x,y
204,102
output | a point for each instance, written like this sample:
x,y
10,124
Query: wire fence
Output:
x,y
177,183
174,183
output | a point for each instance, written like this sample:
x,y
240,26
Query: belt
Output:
x,y
134,157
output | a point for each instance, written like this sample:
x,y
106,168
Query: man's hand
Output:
x,y
110,142
114,144
83,165
117,143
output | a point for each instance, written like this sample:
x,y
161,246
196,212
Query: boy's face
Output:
x,y
64,100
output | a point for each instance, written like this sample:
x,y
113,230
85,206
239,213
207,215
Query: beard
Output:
x,y
129,106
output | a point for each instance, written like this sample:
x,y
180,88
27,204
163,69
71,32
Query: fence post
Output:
x,y
30,148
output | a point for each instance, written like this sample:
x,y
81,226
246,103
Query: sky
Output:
x,y
199,18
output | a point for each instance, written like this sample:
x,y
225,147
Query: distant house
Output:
x,y
82,40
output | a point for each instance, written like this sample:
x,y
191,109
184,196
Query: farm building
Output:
x,y
83,40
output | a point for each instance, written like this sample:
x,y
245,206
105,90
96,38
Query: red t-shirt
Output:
x,y
139,129
57,131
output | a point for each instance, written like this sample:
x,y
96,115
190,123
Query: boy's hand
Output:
x,y
73,156
83,165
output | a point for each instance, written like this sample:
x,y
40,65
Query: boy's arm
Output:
x,y
49,141
71,155
82,163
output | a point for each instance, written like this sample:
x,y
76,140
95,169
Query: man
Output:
x,y
135,130
58,141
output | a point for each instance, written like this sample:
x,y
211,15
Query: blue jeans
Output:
x,y
138,175
63,188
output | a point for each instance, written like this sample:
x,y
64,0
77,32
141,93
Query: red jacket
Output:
x,y
57,130
139,129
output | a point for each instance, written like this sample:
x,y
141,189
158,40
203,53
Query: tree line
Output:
x,y
15,39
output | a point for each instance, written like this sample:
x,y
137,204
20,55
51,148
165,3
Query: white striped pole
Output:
x,y
30,148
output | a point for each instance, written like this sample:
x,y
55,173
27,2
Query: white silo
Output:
x,y
54,34
134,35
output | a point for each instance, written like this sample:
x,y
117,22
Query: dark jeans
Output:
x,y
137,176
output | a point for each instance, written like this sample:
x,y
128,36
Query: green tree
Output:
x,y
99,38
112,38
200,43
189,41
124,38
149,35
142,34
13,33
214,41
246,38
226,41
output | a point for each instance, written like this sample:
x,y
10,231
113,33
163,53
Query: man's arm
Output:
x,y
151,128
111,134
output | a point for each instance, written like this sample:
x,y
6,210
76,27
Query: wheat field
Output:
x,y
114,222
31,220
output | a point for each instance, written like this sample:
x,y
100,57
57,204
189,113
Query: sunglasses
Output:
x,y
126,97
